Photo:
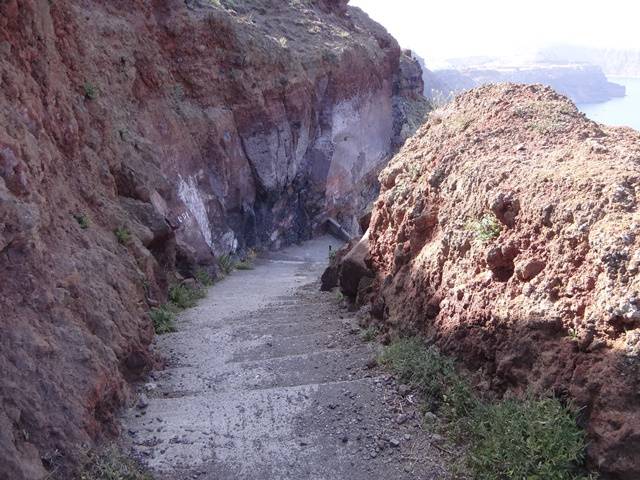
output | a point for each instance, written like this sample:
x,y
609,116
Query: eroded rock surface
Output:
x,y
508,229
194,128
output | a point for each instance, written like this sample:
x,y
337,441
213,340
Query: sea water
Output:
x,y
623,111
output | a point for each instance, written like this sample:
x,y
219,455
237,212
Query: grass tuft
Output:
x,y
528,439
244,265
112,465
431,373
82,220
369,334
90,91
184,297
226,264
510,439
204,278
123,235
487,229
163,319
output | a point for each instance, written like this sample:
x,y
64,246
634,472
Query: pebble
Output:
x,y
151,386
402,418
430,417
143,401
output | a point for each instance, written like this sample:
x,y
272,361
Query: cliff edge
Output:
x,y
508,231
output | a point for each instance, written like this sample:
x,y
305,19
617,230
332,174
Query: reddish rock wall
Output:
x,y
553,302
200,127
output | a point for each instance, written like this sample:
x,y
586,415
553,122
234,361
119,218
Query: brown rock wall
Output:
x,y
507,229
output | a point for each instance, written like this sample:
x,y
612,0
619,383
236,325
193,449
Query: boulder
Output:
x,y
330,276
353,267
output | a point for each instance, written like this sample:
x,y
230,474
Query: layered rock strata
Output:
x,y
140,138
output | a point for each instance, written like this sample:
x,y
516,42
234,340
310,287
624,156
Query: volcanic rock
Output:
x,y
143,138
508,230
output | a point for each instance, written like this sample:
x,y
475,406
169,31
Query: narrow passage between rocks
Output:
x,y
268,378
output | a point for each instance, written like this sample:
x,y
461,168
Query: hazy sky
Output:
x,y
454,28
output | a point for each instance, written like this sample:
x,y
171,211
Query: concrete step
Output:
x,y
284,431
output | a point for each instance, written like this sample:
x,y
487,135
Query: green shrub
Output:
x,y
184,297
90,91
226,264
369,334
112,465
82,220
428,371
525,439
486,229
244,265
531,439
203,278
123,235
163,320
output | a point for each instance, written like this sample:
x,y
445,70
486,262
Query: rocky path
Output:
x,y
269,379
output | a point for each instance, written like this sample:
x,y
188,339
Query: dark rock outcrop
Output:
x,y
353,267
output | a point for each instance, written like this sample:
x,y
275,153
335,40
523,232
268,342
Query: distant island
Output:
x,y
614,62
578,77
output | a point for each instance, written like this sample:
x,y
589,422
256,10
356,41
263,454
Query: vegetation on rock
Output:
x,y
510,439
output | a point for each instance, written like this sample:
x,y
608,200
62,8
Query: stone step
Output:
x,y
276,346
214,374
277,432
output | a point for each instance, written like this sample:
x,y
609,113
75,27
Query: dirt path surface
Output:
x,y
268,378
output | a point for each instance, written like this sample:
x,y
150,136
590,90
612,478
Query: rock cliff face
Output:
x,y
508,230
200,127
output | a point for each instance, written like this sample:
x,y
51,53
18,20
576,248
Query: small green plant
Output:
x,y
534,438
90,91
369,334
204,278
244,265
525,439
184,297
112,465
123,235
572,333
339,296
486,229
163,319
82,220
226,264
431,373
